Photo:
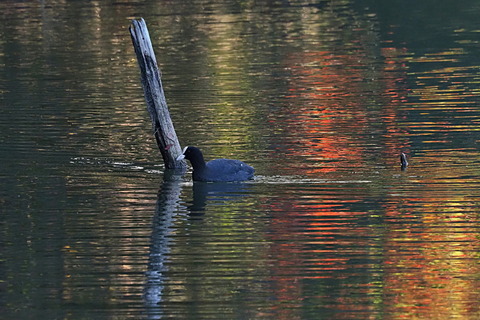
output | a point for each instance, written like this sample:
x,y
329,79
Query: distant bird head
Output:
x,y
403,161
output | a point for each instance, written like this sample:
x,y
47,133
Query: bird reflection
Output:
x,y
204,192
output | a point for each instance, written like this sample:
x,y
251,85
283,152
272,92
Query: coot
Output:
x,y
216,170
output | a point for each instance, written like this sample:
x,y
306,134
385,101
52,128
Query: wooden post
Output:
x,y
163,129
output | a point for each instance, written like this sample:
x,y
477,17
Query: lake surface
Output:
x,y
321,97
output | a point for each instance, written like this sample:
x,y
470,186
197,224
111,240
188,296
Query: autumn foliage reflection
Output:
x,y
337,114
427,266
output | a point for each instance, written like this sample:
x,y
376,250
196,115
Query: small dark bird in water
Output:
x,y
216,170
403,161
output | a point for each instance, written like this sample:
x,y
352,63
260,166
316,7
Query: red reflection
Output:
x,y
339,108
336,110
311,241
317,88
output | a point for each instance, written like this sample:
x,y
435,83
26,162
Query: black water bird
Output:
x,y
216,170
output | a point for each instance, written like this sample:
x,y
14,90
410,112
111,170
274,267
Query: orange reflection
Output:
x,y
339,109
431,270
314,241
430,263
431,253
317,88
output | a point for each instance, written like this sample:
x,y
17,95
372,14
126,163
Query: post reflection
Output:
x,y
168,223
162,228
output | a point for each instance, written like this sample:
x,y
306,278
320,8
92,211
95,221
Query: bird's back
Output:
x,y
227,170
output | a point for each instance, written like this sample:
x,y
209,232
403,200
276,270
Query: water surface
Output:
x,y
320,97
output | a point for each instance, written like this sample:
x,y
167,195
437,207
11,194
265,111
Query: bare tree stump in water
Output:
x,y
163,129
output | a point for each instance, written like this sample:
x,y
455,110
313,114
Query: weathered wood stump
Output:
x,y
162,124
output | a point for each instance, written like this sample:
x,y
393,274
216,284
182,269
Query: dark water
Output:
x,y
319,96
